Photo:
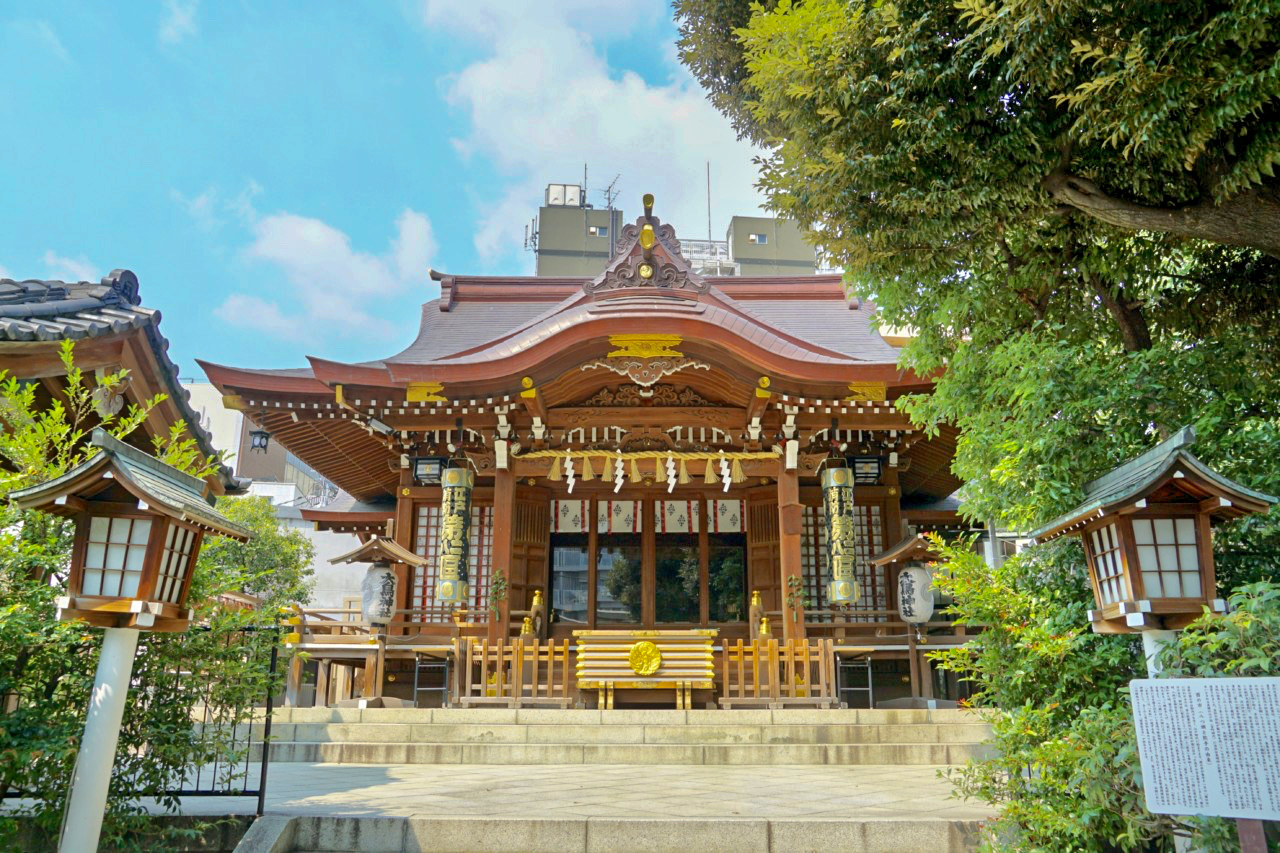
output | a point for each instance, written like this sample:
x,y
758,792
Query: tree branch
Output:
x,y
1248,219
1128,316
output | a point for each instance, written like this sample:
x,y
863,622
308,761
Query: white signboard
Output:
x,y
1209,746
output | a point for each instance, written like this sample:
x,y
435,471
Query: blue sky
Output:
x,y
281,175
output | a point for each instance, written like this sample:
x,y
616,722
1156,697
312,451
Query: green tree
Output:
x,y
1064,772
47,666
917,141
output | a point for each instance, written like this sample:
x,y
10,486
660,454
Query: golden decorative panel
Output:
x,y
424,392
867,392
645,346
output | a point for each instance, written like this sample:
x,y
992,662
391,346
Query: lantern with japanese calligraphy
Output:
x,y
455,529
837,500
915,594
1147,536
379,586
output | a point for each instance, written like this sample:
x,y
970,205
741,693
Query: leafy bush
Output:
x,y
47,667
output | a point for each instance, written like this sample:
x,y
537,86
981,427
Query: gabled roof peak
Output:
x,y
649,257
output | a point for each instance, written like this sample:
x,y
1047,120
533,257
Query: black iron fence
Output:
x,y
198,718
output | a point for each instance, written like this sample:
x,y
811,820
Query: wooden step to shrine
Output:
x,y
694,737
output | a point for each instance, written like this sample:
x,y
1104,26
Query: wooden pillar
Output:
x,y
704,561
893,531
790,528
293,682
926,676
369,678
402,533
914,661
322,683
504,508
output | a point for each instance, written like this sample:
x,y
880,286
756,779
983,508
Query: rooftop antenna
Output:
x,y
611,192
531,235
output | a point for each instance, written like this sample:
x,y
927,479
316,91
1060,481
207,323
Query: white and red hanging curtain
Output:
x,y
618,516
570,516
725,516
426,534
677,517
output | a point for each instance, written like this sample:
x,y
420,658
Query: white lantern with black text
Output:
x,y
915,594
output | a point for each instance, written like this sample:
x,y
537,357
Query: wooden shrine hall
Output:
x,y
621,490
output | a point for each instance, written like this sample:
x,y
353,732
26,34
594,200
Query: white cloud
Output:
x,y
41,33
179,21
327,283
70,269
545,100
4,272
202,208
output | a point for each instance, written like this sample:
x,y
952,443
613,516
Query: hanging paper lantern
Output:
x,y
837,496
915,595
455,529
378,594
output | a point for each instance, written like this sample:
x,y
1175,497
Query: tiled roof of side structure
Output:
x,y
58,310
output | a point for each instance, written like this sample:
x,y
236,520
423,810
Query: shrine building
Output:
x,y
620,490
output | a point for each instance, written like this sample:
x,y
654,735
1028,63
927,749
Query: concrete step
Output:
x,y
358,752
313,834
546,736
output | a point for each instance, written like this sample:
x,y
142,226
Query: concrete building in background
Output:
x,y
572,239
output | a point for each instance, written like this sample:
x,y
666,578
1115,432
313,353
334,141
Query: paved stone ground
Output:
x,y
607,790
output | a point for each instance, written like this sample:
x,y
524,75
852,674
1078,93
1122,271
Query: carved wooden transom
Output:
x,y
656,395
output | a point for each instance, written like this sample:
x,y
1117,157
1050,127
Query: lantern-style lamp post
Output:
x,y
1147,531
139,525
909,558
378,589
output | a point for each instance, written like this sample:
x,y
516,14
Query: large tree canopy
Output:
x,y
973,164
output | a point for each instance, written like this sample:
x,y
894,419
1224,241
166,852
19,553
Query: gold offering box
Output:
x,y
646,659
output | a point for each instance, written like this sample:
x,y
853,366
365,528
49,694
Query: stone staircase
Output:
x,y
694,737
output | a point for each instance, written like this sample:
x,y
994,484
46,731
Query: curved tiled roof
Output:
x,y
37,311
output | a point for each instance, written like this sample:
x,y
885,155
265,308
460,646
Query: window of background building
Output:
x,y
758,238
598,230
678,575
727,577
569,581
619,584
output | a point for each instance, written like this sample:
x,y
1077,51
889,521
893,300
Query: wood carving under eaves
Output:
x,y
645,371
657,395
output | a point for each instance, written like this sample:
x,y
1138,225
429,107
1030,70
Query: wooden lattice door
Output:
x,y
764,572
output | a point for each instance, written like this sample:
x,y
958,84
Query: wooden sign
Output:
x,y
1209,746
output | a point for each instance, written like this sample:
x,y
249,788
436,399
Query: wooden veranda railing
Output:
x,y
778,673
515,673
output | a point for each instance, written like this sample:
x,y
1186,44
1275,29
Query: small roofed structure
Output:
x,y
139,527
381,550
1147,534
913,549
